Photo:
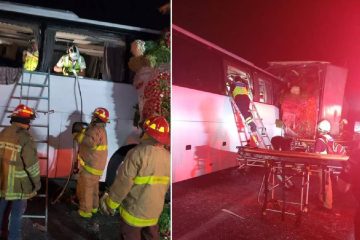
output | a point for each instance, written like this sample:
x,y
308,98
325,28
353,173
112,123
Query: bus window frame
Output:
x,y
243,69
268,85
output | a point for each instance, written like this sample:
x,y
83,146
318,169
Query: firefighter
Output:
x,y
242,96
350,179
92,156
31,56
323,144
71,63
19,168
141,184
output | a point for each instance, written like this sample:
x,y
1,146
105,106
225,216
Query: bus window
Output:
x,y
18,49
196,66
99,52
265,91
234,71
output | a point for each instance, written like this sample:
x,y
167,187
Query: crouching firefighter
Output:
x,y
19,169
143,179
92,156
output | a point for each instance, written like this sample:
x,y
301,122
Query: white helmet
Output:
x,y
324,126
74,53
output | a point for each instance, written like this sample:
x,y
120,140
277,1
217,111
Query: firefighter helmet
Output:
x,y
74,53
324,126
23,111
102,114
158,128
344,121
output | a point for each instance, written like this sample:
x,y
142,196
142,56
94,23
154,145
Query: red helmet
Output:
x,y
158,128
102,114
23,111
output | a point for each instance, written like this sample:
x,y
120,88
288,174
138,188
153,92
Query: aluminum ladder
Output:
x,y
33,90
244,132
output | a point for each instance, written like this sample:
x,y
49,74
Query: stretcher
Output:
x,y
290,164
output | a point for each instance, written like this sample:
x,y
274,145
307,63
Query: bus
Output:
x,y
204,132
107,81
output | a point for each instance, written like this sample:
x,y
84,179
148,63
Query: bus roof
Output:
x,y
222,50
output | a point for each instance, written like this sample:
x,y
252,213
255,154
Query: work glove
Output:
x,y
104,208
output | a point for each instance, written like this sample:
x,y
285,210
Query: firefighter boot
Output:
x,y
253,142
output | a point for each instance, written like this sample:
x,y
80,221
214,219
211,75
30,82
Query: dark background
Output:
x,y
282,30
139,13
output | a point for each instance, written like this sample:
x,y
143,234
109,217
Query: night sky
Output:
x,y
138,13
281,30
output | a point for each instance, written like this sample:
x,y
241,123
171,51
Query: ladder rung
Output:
x,y
33,84
31,97
41,141
43,111
36,73
39,125
33,216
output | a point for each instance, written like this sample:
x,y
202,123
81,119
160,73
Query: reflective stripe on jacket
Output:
x,y
238,88
19,165
141,184
69,66
93,148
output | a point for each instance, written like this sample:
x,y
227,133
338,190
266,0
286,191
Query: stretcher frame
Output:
x,y
279,163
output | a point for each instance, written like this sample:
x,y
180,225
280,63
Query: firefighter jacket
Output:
x,y
238,88
93,148
322,143
68,65
325,144
19,165
31,61
141,184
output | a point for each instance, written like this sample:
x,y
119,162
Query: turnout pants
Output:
x,y
128,232
328,201
87,191
243,103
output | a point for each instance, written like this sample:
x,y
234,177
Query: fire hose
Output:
x,y
74,163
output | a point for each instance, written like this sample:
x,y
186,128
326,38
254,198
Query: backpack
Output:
x,y
332,147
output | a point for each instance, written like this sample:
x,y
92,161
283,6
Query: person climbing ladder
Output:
x,y
241,93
